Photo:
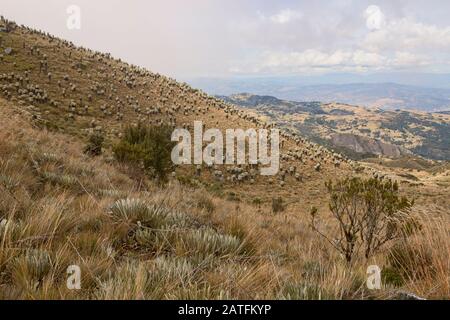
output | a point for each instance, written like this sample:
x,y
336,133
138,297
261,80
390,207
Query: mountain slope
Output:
x,y
364,131
78,91
199,237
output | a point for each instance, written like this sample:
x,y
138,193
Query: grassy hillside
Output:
x,y
198,236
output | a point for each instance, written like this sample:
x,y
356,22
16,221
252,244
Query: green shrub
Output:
x,y
187,181
216,189
369,213
149,147
95,144
392,276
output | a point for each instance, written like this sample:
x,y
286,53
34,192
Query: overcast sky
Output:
x,y
189,38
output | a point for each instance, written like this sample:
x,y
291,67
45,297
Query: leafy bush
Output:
x,y
95,144
392,276
369,213
149,147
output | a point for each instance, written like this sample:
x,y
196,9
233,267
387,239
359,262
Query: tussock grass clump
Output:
x,y
411,262
47,157
31,267
199,291
63,180
392,276
4,224
314,270
11,230
208,241
303,291
172,269
136,210
146,280
423,260
110,193
205,202
129,281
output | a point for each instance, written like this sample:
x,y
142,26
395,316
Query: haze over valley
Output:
x,y
386,95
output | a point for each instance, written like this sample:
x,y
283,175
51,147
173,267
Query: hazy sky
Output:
x,y
188,38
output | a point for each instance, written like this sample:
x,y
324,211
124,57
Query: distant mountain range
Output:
x,y
357,131
386,95
383,95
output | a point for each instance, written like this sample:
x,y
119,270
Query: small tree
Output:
x,y
148,146
369,213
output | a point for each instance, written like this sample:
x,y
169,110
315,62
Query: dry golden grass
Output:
x,y
171,243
